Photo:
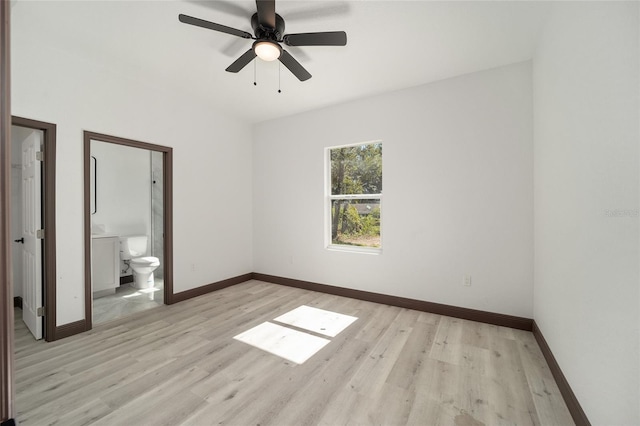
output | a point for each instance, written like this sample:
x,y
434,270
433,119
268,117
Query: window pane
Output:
x,y
356,169
355,222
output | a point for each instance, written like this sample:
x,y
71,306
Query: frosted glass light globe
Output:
x,y
267,51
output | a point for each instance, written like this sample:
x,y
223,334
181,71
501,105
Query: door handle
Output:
x,y
21,241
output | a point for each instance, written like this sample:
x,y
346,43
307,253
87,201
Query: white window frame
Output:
x,y
329,198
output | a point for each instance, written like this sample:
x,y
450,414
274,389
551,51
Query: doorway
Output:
x,y
33,230
128,199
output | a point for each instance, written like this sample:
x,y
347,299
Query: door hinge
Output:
x,y
40,234
40,155
40,311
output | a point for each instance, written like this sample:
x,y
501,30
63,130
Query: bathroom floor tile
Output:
x,y
126,301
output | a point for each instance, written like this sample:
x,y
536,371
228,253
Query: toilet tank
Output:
x,y
132,246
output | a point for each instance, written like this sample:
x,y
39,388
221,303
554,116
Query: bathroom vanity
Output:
x,y
105,264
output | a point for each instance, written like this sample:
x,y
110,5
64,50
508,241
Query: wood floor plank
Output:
x,y
119,396
448,341
375,368
348,408
166,404
58,349
392,405
542,385
107,377
232,389
86,414
95,352
179,364
411,359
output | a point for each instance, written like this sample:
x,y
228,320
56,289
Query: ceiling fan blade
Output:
x,y
212,26
242,61
267,13
331,38
294,66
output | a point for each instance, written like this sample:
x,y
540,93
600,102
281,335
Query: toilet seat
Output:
x,y
145,261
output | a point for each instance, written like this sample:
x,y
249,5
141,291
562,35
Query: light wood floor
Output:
x,y
179,364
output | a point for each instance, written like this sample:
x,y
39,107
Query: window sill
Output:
x,y
354,249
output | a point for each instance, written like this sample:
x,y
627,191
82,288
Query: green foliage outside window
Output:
x,y
356,170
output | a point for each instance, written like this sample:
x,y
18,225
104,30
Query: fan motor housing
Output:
x,y
261,32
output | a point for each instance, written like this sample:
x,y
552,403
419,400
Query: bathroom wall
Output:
x,y
123,190
157,211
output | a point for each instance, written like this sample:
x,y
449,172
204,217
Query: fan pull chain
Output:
x,y
279,69
254,73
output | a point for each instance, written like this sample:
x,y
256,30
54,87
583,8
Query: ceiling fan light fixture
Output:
x,y
267,50
268,33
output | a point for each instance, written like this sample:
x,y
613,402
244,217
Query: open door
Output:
x,y
31,234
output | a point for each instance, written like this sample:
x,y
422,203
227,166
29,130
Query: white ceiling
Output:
x,y
391,45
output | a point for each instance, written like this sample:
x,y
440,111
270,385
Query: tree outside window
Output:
x,y
356,195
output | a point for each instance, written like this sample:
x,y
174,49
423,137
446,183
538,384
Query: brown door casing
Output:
x,y
167,156
7,393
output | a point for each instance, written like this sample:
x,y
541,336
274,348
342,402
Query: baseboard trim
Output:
x,y
576,411
403,302
70,329
521,323
503,320
199,291
17,302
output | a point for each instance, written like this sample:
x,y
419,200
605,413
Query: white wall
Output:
x,y
458,194
586,89
123,188
212,151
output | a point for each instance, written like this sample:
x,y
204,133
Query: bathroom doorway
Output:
x,y
128,227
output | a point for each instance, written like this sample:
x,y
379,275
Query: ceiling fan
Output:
x,y
268,28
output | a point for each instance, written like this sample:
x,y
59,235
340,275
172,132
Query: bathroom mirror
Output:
x,y
94,199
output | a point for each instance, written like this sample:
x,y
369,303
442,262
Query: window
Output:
x,y
354,196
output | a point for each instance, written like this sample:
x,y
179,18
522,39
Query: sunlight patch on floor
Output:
x,y
293,345
317,320
284,342
140,292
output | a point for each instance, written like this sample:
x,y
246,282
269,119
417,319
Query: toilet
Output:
x,y
133,249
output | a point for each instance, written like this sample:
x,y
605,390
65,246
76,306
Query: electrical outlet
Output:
x,y
466,281
193,267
